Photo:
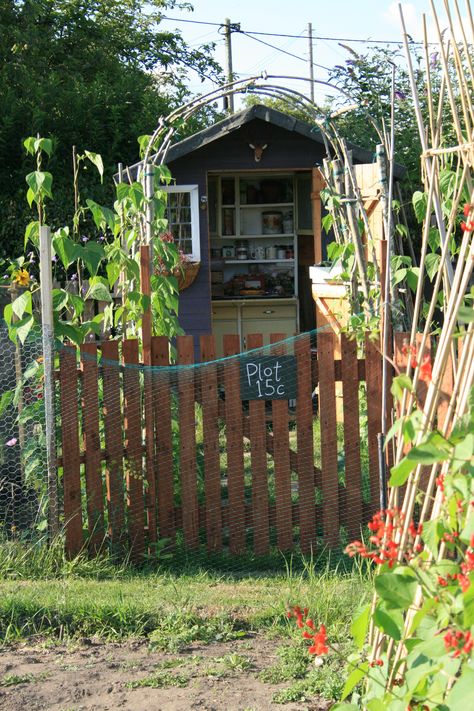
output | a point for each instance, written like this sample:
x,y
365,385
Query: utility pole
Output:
x,y
311,66
229,98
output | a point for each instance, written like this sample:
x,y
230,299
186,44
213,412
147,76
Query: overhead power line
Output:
x,y
284,51
290,36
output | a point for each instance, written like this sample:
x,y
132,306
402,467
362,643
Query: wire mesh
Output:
x,y
23,473
254,453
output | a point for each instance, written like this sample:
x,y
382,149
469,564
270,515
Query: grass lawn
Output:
x,y
182,601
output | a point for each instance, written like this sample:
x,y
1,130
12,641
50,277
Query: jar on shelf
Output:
x,y
288,223
241,251
272,222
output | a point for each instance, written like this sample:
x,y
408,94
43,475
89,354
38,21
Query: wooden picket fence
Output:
x,y
132,472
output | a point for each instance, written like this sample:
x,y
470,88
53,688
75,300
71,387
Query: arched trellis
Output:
x,y
160,142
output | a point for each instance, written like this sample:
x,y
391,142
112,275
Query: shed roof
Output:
x,y
269,115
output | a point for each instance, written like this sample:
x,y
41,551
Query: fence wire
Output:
x,y
253,454
23,472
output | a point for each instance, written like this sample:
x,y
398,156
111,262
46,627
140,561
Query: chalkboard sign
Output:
x,y
268,378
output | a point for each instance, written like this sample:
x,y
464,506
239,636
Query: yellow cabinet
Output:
x,y
264,316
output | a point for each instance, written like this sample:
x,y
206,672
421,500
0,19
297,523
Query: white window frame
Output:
x,y
193,190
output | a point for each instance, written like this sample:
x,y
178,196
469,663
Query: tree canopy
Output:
x,y
91,73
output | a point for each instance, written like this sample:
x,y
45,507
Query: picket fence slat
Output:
x,y
305,445
258,459
91,445
187,441
133,446
373,375
350,400
148,413
113,434
281,455
162,402
210,425
70,450
235,446
328,422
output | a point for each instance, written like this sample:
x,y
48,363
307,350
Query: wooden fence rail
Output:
x,y
147,452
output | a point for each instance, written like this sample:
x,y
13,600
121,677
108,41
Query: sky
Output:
x,y
347,19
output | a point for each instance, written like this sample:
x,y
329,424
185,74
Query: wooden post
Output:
x,y
212,469
318,184
46,286
235,446
145,287
281,456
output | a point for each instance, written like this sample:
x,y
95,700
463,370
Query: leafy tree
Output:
x,y
95,74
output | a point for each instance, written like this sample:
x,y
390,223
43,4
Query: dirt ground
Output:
x,y
94,676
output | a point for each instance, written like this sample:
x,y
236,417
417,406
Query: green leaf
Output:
x,y
402,229
399,384
29,144
143,142
6,399
102,216
327,222
65,330
413,274
60,298
432,262
30,196
463,451
113,272
77,304
22,304
32,234
468,600
432,532
96,159
8,314
466,314
354,678
420,203
22,328
67,250
393,430
44,144
99,292
92,254
401,471
359,627
399,275
40,183
461,696
427,453
387,624
397,590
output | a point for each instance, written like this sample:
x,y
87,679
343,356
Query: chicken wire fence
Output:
x,y
272,449
23,473
267,450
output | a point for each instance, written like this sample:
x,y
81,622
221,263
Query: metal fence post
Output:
x,y
46,283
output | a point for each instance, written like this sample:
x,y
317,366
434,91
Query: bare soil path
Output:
x,y
98,676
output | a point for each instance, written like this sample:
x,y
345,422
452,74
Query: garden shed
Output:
x,y
245,203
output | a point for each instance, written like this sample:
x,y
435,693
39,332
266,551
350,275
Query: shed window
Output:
x,y
182,213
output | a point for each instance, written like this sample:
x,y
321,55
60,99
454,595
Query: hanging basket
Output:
x,y
186,274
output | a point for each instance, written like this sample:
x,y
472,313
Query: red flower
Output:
x,y
467,209
467,226
319,642
459,642
425,369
